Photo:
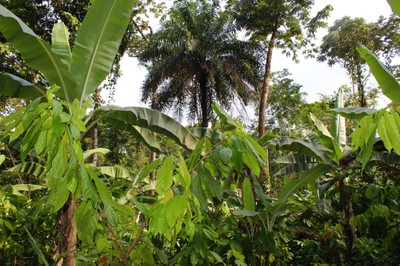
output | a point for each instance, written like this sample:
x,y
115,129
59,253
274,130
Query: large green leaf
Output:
x,y
395,4
295,163
388,83
97,43
353,112
338,127
248,196
307,177
60,42
227,121
302,146
164,175
152,120
326,138
16,87
389,131
201,132
36,52
86,221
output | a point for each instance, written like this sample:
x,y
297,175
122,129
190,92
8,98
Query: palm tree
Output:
x,y
195,59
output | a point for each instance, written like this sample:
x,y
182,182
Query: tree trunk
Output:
x,y
360,85
67,233
204,101
265,86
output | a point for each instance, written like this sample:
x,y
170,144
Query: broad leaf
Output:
x,y
227,121
388,83
389,131
395,4
152,120
201,132
248,196
16,87
60,42
36,52
145,172
29,168
326,138
97,44
86,221
305,178
353,112
338,127
88,153
164,175
301,146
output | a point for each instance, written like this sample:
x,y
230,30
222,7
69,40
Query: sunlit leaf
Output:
x,y
248,196
307,177
388,83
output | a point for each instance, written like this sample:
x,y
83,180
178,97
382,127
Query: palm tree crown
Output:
x,y
195,59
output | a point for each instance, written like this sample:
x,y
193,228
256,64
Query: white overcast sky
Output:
x,y
313,76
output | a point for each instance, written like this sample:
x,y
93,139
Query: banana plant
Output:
x,y
51,127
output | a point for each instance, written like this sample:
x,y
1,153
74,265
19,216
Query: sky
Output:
x,y
314,77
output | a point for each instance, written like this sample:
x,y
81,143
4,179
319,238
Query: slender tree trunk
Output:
x,y
204,105
360,85
264,99
153,155
67,233
265,86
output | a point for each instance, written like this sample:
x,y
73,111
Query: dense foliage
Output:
x,y
334,190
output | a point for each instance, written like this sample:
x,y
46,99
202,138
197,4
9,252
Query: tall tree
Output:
x,y
195,59
284,24
339,47
286,104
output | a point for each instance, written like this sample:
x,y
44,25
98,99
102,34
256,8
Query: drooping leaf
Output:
x,y
295,163
395,6
227,121
388,83
60,42
86,221
175,209
252,162
363,137
145,172
201,132
210,184
386,157
88,153
36,53
184,173
248,196
97,43
326,138
389,131
353,112
164,175
152,120
16,87
307,177
301,146
29,168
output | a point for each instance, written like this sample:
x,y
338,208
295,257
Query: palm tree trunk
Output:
x,y
204,105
